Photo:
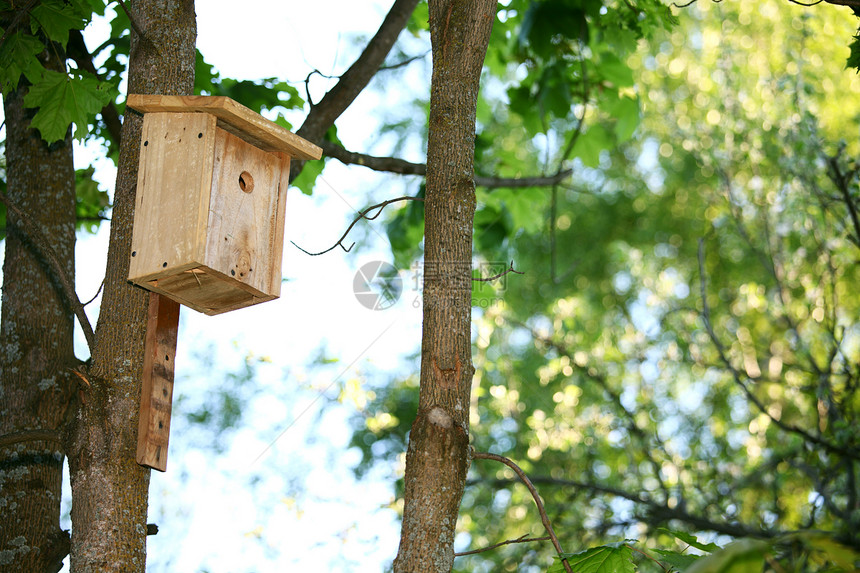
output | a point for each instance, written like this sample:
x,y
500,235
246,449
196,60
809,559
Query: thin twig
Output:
x,y
310,100
500,275
45,249
528,483
405,62
522,539
637,550
361,215
133,22
101,286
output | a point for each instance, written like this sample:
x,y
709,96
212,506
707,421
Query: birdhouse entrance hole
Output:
x,y
246,182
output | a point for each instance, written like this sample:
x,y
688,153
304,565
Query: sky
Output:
x,y
277,493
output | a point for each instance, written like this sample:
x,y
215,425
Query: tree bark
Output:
x,y
438,454
36,351
109,489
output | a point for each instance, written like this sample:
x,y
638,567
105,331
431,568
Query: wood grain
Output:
x,y
156,400
177,152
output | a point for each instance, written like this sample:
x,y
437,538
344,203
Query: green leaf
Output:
x,y
612,69
555,93
524,206
205,75
492,226
544,23
839,554
742,556
308,177
91,201
420,19
62,100
854,57
690,540
590,144
55,18
86,8
18,54
626,113
405,231
612,558
679,561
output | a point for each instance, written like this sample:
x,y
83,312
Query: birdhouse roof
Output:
x,y
232,117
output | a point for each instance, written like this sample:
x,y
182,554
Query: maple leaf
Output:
x,y
63,100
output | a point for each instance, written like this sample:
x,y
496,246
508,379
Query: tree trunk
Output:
x,y
438,454
36,352
109,489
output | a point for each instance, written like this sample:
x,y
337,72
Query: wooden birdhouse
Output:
x,y
211,193
208,228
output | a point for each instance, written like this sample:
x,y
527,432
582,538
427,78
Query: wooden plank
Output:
x,y
208,291
172,200
156,399
233,117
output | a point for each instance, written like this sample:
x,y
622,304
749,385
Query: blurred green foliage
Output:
x,y
683,349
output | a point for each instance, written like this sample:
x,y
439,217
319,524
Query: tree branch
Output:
x,y
405,62
522,539
323,115
842,183
44,249
29,436
500,275
403,167
387,164
133,21
528,483
739,379
361,215
656,510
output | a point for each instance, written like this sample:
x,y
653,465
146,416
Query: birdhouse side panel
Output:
x,y
246,215
278,238
173,194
